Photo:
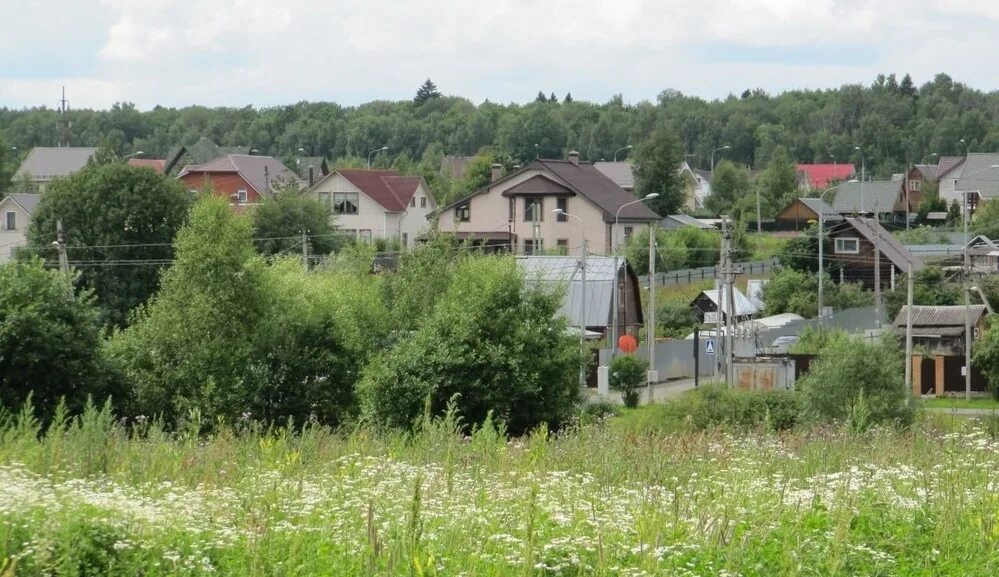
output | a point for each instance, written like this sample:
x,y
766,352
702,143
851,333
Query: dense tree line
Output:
x,y
895,122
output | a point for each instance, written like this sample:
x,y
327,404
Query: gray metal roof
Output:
x,y
564,271
622,173
977,173
821,207
687,220
940,316
889,246
45,163
743,306
867,197
28,202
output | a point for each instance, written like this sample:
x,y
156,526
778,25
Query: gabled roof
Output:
x,y
929,171
564,271
263,173
27,202
820,175
867,197
622,173
743,306
821,207
386,187
687,220
977,173
454,166
948,164
318,164
539,184
941,316
981,241
888,245
46,163
157,164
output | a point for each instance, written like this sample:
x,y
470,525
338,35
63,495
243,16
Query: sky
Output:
x,y
273,52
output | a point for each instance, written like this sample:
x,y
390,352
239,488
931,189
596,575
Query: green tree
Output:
x,y
278,224
7,167
729,183
986,355
671,254
50,341
627,373
778,185
930,287
119,222
428,90
986,220
657,161
491,338
676,320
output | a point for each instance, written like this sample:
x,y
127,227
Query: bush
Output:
x,y
676,320
490,338
712,407
627,373
852,377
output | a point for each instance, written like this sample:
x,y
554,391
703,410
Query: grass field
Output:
x,y
93,498
961,403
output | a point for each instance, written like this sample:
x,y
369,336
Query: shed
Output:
x,y
707,302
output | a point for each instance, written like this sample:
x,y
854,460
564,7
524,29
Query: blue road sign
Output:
x,y
709,346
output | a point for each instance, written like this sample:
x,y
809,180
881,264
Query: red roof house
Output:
x,y
820,176
156,164
240,178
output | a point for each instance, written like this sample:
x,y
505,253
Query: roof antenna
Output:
x,y
63,129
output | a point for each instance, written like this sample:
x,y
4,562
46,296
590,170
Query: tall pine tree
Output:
x,y
427,91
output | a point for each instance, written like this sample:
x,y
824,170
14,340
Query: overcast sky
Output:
x,y
267,52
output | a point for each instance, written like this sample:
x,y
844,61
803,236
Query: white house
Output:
x,y
516,211
372,204
15,218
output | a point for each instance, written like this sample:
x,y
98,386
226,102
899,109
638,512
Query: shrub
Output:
x,y
676,319
627,373
855,377
712,407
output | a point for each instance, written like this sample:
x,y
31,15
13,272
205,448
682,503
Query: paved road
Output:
x,y
660,392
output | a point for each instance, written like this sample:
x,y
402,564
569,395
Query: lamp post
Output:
x,y
726,147
373,152
614,244
136,153
582,295
626,147
822,242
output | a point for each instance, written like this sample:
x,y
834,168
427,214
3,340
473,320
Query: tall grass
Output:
x,y
92,496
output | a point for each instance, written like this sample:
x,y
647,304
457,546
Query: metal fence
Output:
x,y
692,275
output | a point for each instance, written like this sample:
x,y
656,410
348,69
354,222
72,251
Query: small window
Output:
x,y
345,202
562,245
11,220
847,246
914,185
463,212
531,248
534,209
423,202
412,202
513,209
563,206
241,196
628,232
405,239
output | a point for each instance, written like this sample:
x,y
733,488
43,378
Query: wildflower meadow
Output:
x,y
94,496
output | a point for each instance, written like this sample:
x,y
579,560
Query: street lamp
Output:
x,y
582,295
726,147
614,242
136,153
628,147
821,240
373,152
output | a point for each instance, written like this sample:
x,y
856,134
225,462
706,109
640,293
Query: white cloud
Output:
x,y
239,52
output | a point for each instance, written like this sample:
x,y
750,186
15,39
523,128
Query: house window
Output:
x,y
513,209
241,196
628,232
366,235
847,246
562,245
531,248
405,239
412,202
534,208
423,202
563,206
11,220
345,202
914,185
463,212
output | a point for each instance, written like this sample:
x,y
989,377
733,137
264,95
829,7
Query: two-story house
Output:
x,y
517,211
853,256
371,204
242,179
15,218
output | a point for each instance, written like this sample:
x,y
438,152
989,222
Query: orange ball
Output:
x,y
627,344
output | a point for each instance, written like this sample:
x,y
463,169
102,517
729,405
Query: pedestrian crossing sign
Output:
x,y
709,346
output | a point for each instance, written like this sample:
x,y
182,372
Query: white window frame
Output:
x,y
241,196
840,245
423,202
534,249
10,216
350,199
463,212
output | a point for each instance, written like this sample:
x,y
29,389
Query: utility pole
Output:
x,y
719,286
305,250
650,330
61,247
759,220
582,318
730,302
967,306
877,272
908,337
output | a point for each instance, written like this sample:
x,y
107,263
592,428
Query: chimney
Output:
x,y
312,178
574,157
497,172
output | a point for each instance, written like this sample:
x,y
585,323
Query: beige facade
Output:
x,y
371,220
491,213
14,223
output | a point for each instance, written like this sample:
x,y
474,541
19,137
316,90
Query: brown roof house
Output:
x,y
241,178
938,337
802,212
373,204
45,163
852,256
516,211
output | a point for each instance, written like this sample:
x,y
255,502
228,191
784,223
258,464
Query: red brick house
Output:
x,y
242,179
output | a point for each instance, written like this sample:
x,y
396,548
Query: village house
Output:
x,y
853,255
45,163
708,301
816,177
516,211
242,179
879,198
978,174
938,337
803,212
373,204
15,219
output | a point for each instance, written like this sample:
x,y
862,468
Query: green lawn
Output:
x,y
961,403
96,499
